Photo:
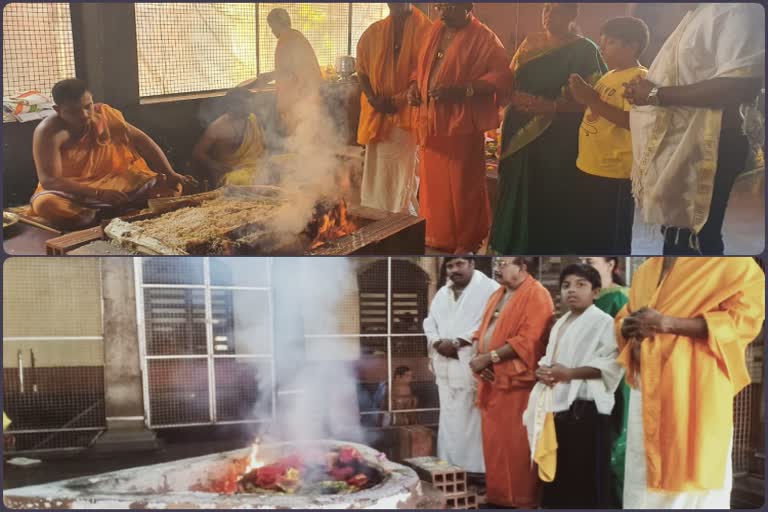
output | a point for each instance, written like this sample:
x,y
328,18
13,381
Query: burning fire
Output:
x,y
339,471
253,459
332,224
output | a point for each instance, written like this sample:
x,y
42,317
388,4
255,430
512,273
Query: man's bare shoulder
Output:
x,y
223,128
52,130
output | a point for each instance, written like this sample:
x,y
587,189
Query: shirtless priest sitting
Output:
x,y
89,159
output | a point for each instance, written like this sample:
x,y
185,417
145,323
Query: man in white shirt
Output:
x,y
454,316
688,144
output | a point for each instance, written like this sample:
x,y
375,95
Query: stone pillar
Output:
x,y
123,392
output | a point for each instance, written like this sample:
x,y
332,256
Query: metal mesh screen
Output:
x,y
325,25
184,357
53,352
363,15
393,301
240,271
241,322
742,430
197,47
243,389
172,270
194,47
178,391
37,47
175,321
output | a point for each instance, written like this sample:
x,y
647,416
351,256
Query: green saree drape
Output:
x,y
537,171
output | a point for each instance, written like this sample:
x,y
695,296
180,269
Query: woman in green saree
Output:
x,y
614,294
540,138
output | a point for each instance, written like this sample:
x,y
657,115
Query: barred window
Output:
x,y
194,47
201,47
363,16
37,47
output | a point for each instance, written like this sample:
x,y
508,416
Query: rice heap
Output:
x,y
211,225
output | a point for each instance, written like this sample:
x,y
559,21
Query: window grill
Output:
x,y
53,352
37,47
201,47
194,47
205,328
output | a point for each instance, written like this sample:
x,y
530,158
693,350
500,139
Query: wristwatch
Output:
x,y
470,91
653,97
495,359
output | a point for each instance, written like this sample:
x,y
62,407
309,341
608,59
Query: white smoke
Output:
x,y
316,386
312,171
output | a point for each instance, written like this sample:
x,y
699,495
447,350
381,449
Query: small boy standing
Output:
x,y
605,143
577,378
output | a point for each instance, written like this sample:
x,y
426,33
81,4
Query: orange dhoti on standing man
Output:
x,y
470,68
523,323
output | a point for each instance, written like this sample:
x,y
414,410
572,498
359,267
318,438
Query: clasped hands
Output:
x,y
642,324
445,94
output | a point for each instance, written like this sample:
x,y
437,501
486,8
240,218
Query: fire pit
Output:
x,y
226,481
241,220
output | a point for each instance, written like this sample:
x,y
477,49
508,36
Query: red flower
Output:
x,y
347,455
341,474
267,477
358,480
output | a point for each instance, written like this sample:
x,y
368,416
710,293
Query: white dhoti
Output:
x,y
636,493
389,174
460,437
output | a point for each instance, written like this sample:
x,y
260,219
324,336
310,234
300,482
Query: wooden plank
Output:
x,y
61,245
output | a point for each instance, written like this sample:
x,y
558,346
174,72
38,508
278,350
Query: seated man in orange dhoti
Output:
x,y
297,74
683,338
462,75
387,54
232,147
89,159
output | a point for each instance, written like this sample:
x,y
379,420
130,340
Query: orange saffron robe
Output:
x,y
688,384
524,323
389,77
298,76
453,193
103,158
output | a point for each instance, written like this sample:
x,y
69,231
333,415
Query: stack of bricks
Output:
x,y
449,480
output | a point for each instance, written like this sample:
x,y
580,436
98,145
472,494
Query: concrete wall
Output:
x,y
50,297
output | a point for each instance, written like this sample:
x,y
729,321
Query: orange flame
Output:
x,y
334,224
253,458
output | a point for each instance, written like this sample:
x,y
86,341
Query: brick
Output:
x,y
439,472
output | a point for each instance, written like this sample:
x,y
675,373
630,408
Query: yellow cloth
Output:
x,y
376,60
6,421
245,163
688,384
546,449
605,149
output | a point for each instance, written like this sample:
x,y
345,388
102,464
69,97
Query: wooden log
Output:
x,y
62,245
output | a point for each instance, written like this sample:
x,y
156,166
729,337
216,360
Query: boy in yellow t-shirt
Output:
x,y
605,144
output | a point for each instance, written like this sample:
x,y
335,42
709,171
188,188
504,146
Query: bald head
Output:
x,y
279,21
